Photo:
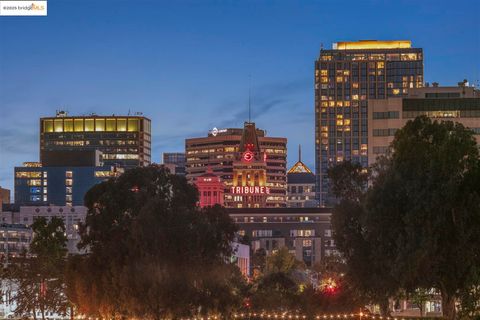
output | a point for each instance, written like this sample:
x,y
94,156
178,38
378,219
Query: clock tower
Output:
x,y
249,186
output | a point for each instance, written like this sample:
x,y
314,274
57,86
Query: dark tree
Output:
x,y
425,205
152,252
367,268
418,225
39,275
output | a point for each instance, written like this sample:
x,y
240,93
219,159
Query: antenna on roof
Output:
x,y
299,153
249,98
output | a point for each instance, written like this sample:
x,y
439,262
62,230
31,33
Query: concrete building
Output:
x,y
300,185
174,161
24,216
15,239
251,164
306,232
63,178
346,77
4,196
123,140
459,104
210,189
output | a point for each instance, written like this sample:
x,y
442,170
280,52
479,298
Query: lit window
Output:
x,y
58,124
89,125
68,125
132,124
78,125
99,124
47,125
396,91
121,124
111,125
68,174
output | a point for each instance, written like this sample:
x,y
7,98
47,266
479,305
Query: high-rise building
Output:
x,y
123,140
386,116
175,162
346,77
300,185
62,179
252,165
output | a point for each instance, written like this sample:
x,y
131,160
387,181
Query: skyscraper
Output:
x,y
346,77
123,140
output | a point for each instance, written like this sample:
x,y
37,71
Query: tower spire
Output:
x,y
299,153
249,98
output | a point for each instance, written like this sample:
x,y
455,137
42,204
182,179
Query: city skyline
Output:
x,y
198,69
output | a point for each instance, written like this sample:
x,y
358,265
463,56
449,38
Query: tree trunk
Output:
x,y
448,306
34,313
384,307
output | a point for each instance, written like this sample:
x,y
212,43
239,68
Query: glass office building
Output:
x,y
346,77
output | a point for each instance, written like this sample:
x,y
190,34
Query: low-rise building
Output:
x,y
306,232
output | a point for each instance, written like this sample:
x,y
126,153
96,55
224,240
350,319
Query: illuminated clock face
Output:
x,y
248,156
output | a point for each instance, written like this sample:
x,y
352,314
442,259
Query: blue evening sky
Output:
x,y
186,64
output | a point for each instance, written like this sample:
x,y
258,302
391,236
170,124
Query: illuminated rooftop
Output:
x,y
372,44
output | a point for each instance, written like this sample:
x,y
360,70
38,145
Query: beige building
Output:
x,y
386,116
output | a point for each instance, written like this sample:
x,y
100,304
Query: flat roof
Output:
x,y
279,211
372,44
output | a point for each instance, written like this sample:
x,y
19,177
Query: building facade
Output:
x,y
346,77
60,181
174,161
4,196
15,239
210,189
252,165
306,232
123,140
459,104
301,185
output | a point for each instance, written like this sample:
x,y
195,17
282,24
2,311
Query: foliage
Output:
x,y
367,268
38,282
418,225
282,261
152,252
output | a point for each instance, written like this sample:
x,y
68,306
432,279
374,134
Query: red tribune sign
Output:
x,y
250,190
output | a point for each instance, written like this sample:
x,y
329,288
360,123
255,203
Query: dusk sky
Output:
x,y
186,64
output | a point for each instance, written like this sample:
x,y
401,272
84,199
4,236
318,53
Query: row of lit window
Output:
x,y
30,174
376,56
85,125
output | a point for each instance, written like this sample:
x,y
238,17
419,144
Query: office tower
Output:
x,y
346,78
300,185
175,161
386,116
252,165
123,140
62,179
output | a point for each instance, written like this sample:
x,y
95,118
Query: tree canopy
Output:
x,y
419,220
152,252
